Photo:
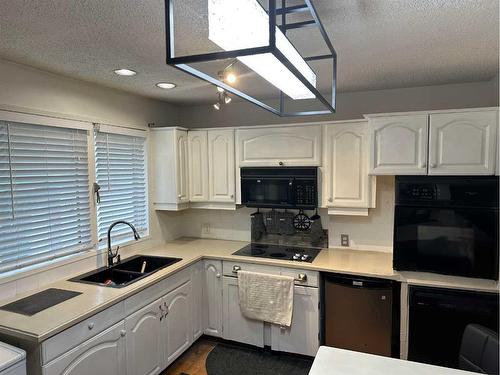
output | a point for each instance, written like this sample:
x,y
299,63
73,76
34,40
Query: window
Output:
x,y
121,174
44,193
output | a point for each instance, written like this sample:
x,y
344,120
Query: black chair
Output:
x,y
479,350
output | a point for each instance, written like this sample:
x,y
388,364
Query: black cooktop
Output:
x,y
300,254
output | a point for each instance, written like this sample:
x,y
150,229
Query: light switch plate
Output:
x,y
344,240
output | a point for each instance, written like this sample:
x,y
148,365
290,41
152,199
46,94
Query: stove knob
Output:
x,y
304,257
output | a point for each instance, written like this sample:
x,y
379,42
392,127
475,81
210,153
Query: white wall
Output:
x,y
34,91
353,105
373,232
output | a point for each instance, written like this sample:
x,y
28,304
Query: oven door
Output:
x,y
447,240
267,192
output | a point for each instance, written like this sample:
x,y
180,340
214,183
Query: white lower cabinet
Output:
x,y
102,354
212,297
178,322
236,327
197,283
302,337
145,330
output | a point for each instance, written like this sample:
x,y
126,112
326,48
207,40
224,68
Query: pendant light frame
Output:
x,y
182,62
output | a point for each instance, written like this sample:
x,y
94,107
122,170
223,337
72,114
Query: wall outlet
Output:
x,y
205,228
344,240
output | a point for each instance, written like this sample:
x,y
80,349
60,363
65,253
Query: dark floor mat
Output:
x,y
228,360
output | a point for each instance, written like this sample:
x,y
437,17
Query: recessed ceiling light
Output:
x,y
125,72
166,85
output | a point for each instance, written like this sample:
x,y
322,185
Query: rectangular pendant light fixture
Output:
x,y
249,33
243,24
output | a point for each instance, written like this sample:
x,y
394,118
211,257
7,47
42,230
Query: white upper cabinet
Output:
x,y
221,165
298,145
398,145
170,168
348,189
463,143
181,141
198,166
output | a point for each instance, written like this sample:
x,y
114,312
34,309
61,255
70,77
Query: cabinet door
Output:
x,y
198,166
221,165
463,143
197,281
236,327
212,297
178,321
279,145
102,354
398,145
346,160
144,330
181,140
302,337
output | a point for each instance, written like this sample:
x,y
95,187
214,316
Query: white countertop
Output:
x,y
95,298
334,361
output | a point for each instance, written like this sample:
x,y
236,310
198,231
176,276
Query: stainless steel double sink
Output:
x,y
127,272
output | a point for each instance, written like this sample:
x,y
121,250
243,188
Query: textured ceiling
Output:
x,y
381,43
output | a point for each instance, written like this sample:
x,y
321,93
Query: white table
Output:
x,y
333,361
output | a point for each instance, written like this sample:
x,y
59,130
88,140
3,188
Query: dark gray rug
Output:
x,y
231,360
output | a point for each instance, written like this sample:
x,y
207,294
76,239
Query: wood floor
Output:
x,y
192,362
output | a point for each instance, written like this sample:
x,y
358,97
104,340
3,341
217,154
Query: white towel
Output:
x,y
266,297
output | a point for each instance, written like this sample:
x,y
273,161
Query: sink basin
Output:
x,y
153,263
126,272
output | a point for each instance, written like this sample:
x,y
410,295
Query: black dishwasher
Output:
x,y
437,319
361,314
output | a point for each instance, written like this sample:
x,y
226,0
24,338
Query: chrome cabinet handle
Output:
x,y
301,277
91,325
179,196
123,333
217,275
236,269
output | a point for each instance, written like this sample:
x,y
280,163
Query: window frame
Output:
x,y
95,249
113,129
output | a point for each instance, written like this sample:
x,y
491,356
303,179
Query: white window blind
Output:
x,y
121,174
44,194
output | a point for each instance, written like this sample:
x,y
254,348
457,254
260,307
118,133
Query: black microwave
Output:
x,y
447,225
279,187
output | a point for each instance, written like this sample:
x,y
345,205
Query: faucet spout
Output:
x,y
111,255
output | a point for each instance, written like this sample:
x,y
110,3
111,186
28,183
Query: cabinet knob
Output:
x,y
433,165
232,196
236,269
422,165
179,196
281,163
123,333
217,275
282,327
91,325
330,199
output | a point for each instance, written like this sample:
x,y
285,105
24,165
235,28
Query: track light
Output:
x,y
230,77
227,99
217,106
220,89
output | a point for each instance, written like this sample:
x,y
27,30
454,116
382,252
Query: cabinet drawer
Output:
x,y
74,336
310,279
228,268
